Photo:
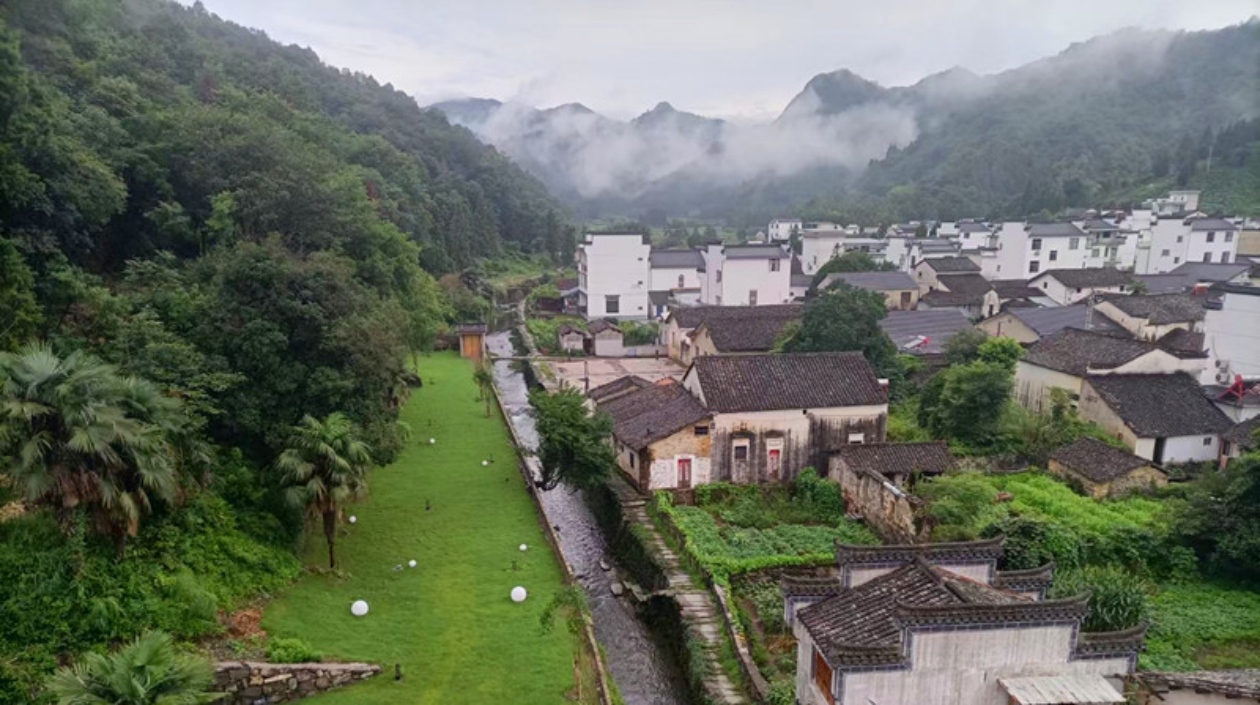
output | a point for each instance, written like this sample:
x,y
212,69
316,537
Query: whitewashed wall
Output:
x,y
615,265
740,276
1233,334
666,278
664,472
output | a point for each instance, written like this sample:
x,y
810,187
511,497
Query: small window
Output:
x,y
1094,252
1207,256
1229,237
682,281
631,454
701,430
1224,258
1074,243
1034,266
612,304
1179,239
774,265
1054,255
752,297
1036,244
1207,441
1211,237
1176,260
857,438
719,276
1164,253
1078,289
740,450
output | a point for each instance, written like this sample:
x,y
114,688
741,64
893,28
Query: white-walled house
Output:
x,y
939,624
660,433
1068,286
1153,316
774,415
674,276
1065,359
781,229
614,275
682,323
818,247
927,272
1164,418
746,275
1231,333
1176,240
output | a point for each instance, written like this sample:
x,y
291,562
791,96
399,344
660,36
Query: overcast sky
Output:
x,y
739,58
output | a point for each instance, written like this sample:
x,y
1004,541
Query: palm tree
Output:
x,y
80,436
326,464
147,671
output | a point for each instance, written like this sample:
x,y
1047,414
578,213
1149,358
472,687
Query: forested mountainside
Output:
x,y
1119,115
206,236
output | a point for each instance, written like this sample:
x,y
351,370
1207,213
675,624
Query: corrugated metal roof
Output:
x,y
1061,690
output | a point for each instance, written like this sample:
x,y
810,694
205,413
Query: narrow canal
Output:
x,y
639,663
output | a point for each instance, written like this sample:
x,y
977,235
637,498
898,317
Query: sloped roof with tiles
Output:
x,y
693,316
1052,319
923,332
647,415
1161,309
618,387
676,259
874,281
888,459
952,264
1160,406
787,381
1054,230
1094,277
747,334
1076,352
1096,461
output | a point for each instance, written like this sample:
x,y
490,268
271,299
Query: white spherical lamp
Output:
x,y
354,519
432,441
524,547
412,563
518,594
359,608
485,463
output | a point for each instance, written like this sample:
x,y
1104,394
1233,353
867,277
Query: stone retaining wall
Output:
x,y
253,683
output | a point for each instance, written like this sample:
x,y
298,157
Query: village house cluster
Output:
x,y
1146,322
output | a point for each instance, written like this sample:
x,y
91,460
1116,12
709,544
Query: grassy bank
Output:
x,y
449,621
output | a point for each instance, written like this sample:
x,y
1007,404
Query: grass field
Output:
x,y
449,621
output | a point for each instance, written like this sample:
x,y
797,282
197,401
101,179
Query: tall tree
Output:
x,y
83,437
854,261
148,671
573,444
965,402
326,465
846,318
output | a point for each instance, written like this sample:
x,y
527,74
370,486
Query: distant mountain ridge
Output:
x,y
1030,137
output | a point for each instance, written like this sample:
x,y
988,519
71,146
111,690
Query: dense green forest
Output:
x,y
204,236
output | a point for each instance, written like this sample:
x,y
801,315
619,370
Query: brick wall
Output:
x,y
252,683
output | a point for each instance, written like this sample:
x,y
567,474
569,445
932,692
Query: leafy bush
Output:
x,y
782,692
1117,598
1201,625
638,333
281,650
546,331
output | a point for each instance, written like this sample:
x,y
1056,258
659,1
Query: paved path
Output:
x,y
695,601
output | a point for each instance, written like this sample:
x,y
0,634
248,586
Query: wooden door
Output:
x,y
684,473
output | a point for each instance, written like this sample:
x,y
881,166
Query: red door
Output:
x,y
684,472
773,461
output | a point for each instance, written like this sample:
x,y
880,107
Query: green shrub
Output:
x,y
1195,626
782,692
281,650
1117,598
633,333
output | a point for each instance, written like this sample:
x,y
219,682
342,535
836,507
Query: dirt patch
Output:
x,y
11,511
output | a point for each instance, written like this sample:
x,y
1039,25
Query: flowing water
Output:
x,y
637,661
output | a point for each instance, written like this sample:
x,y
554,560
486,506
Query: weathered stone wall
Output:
x,y
253,683
888,510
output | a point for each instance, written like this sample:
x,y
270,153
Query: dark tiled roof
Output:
x,y
1241,683
1097,461
865,625
1160,406
1015,289
748,334
566,329
1161,309
1096,277
1024,580
693,316
801,281
952,264
889,459
1076,352
1051,320
1165,283
949,299
1244,434
875,281
618,387
1054,230
755,252
1183,343
652,413
1210,272
797,381
945,552
676,259
1099,225
973,285
472,328
974,228
1205,224
906,328
799,586
601,325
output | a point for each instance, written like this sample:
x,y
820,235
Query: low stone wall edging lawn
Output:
x,y
248,682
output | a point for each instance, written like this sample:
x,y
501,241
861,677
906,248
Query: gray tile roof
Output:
x,y
652,413
1244,434
1051,320
1015,289
676,259
601,325
1161,309
974,228
1095,277
1241,683
693,316
1206,224
952,264
1165,283
1054,230
1183,343
973,285
788,381
908,327
1160,406
618,387
1096,461
892,459
1076,352
1211,272
874,281
751,333
948,299
755,252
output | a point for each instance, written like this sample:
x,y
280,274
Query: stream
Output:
x,y
638,662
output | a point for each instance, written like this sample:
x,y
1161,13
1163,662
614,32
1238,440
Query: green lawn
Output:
x,y
449,622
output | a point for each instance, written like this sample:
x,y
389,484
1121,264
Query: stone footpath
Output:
x,y
249,682
694,601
